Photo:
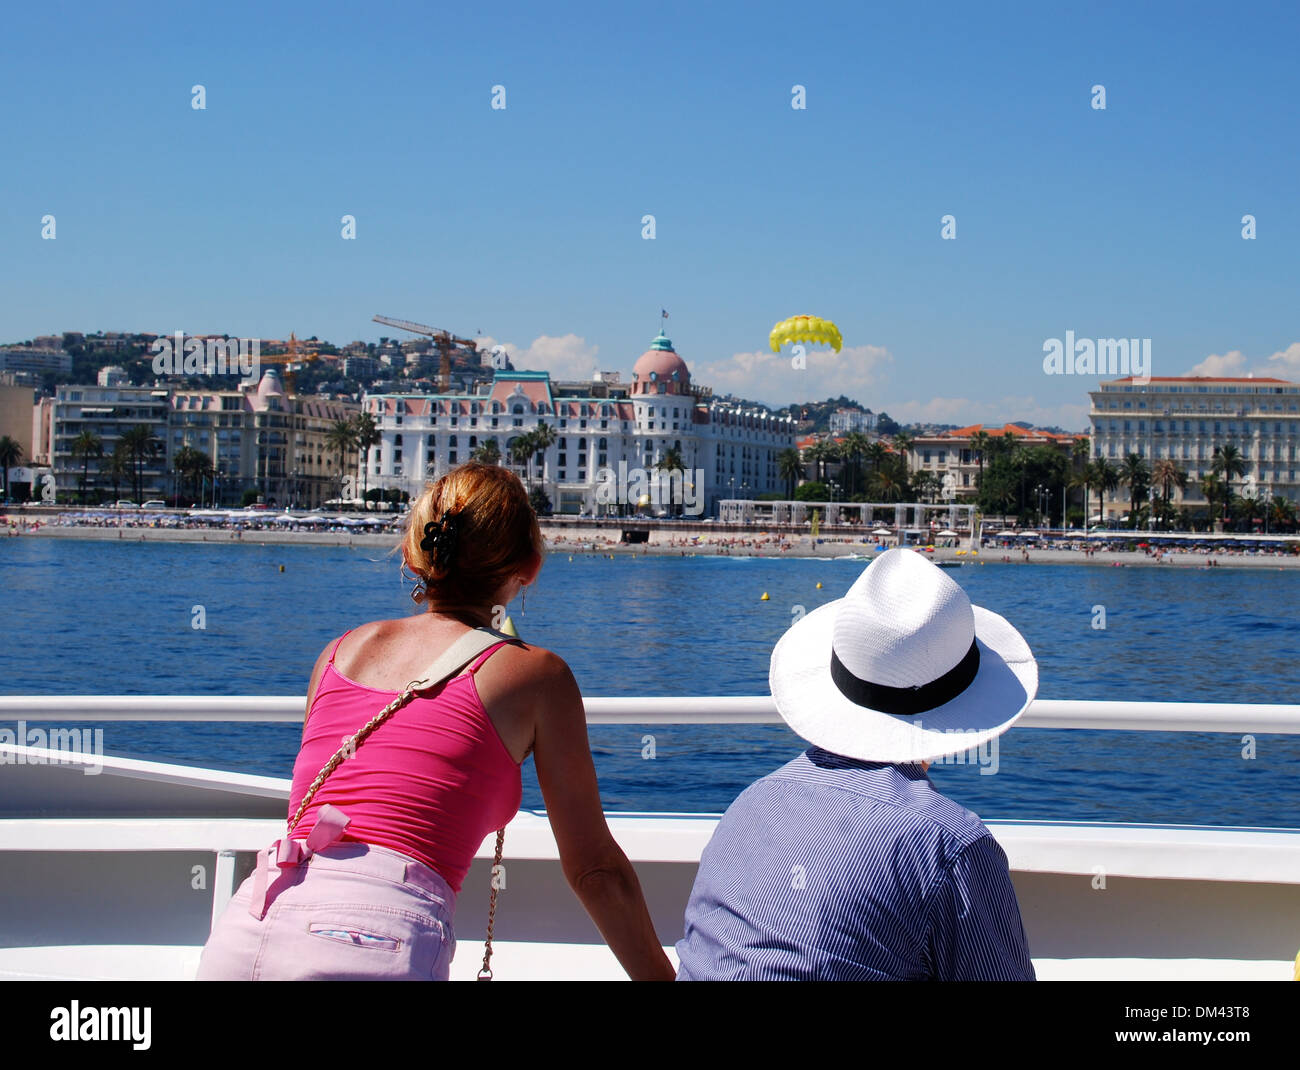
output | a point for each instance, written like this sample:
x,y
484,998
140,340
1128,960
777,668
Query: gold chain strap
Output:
x,y
350,746
485,974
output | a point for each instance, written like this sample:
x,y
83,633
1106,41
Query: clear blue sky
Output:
x,y
526,223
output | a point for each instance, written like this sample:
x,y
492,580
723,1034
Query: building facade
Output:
x,y
844,421
954,461
35,359
107,414
1185,419
256,437
263,439
605,432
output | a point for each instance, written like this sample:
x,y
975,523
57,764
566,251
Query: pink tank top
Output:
x,y
431,782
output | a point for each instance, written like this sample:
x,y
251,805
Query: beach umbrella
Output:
x,y
882,532
947,533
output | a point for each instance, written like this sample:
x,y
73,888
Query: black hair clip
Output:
x,y
439,540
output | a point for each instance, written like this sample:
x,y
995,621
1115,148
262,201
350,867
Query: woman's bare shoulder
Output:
x,y
528,676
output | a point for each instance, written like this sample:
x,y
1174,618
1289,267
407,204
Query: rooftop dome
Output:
x,y
270,384
660,364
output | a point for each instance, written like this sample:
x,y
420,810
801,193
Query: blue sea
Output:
x,y
88,617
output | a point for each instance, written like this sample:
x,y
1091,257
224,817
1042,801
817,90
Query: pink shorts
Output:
x,y
349,912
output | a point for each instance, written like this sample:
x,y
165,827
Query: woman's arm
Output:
x,y
594,865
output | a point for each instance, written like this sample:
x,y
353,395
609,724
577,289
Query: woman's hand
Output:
x,y
595,866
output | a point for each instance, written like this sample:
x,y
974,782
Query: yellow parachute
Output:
x,y
805,329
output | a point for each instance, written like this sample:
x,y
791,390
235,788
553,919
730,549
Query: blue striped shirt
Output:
x,y
835,869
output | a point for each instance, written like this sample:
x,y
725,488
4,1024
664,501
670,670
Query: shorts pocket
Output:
x,y
357,937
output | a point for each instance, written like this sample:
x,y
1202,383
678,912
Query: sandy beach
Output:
x,y
668,542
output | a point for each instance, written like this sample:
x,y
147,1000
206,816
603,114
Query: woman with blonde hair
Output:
x,y
436,713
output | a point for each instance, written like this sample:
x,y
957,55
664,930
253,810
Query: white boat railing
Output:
x,y
707,709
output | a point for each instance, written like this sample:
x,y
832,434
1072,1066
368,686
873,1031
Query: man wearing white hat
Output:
x,y
847,863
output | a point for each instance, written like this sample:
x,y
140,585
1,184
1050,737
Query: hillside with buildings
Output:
x,y
88,419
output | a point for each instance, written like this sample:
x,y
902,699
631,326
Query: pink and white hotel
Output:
x,y
598,426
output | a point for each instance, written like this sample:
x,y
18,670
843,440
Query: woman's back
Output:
x,y
430,782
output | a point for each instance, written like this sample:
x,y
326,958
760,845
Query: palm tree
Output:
x,y
192,466
488,453
1228,463
367,435
887,487
1135,475
926,485
1166,474
118,466
11,453
1106,477
980,442
853,447
670,462
877,453
1282,512
1085,480
341,436
543,439
522,449
86,445
817,454
1212,488
141,443
789,466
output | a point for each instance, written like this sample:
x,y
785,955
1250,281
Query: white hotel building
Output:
x,y
597,425
1184,419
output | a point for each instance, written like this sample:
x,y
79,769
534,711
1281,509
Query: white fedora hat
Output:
x,y
902,668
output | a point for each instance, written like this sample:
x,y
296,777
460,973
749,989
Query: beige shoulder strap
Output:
x,y
457,656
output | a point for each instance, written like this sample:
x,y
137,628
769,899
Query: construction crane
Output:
x,y
289,359
443,341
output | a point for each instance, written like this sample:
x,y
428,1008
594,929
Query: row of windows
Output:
x,y
1263,406
1202,427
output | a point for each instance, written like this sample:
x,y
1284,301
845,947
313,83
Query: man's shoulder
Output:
x,y
818,787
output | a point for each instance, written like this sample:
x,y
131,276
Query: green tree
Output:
x,y
1135,475
142,444
789,466
853,447
543,439
522,449
488,452
1228,464
367,436
671,462
342,437
1166,474
11,454
1107,479
118,467
85,446
979,442
813,491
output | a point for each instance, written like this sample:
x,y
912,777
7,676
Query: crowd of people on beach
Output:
x,y
232,525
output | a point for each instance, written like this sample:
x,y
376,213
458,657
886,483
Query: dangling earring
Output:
x,y
523,606
417,593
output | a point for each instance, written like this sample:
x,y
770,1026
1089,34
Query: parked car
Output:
x,y
125,505
154,503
